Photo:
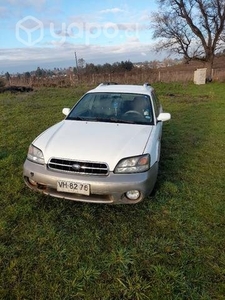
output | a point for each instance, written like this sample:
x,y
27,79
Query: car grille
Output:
x,y
79,167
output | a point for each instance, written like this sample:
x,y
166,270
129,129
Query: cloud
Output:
x,y
128,26
4,12
111,11
28,59
145,16
133,39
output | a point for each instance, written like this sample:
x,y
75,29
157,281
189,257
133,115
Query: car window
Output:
x,y
156,104
114,107
83,106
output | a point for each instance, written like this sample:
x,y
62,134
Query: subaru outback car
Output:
x,y
106,150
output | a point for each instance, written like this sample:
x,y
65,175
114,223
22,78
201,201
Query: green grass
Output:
x,y
170,246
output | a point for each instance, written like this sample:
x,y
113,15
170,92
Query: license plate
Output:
x,y
73,187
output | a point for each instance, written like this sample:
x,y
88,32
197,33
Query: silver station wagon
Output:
x,y
106,150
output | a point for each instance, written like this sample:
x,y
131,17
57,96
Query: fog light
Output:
x,y
133,195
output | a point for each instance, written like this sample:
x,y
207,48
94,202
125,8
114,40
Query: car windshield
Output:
x,y
113,107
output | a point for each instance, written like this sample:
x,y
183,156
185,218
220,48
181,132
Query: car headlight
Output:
x,y
34,154
135,164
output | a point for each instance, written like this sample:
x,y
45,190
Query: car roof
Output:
x,y
122,88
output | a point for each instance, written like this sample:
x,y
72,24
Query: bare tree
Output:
x,y
81,64
192,28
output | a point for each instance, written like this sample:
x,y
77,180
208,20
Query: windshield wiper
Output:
x,y
98,119
123,121
79,119
113,120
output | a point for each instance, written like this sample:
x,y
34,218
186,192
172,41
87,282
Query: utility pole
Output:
x,y
76,61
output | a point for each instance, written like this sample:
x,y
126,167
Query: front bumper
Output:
x,y
104,189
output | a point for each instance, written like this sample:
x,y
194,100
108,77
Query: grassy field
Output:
x,y
170,246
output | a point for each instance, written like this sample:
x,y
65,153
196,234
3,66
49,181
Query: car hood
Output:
x,y
93,141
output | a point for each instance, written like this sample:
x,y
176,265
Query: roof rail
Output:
x,y
146,84
108,83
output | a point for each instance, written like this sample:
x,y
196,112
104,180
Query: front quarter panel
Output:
x,y
154,143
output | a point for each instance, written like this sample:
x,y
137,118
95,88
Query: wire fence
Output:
x,y
136,76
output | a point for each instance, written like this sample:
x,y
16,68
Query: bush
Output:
x,y
2,82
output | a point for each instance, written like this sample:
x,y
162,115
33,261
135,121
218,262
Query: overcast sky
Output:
x,y
46,33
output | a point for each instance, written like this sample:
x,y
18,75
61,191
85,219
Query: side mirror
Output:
x,y
163,117
66,111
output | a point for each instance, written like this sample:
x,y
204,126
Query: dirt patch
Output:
x,y
16,89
